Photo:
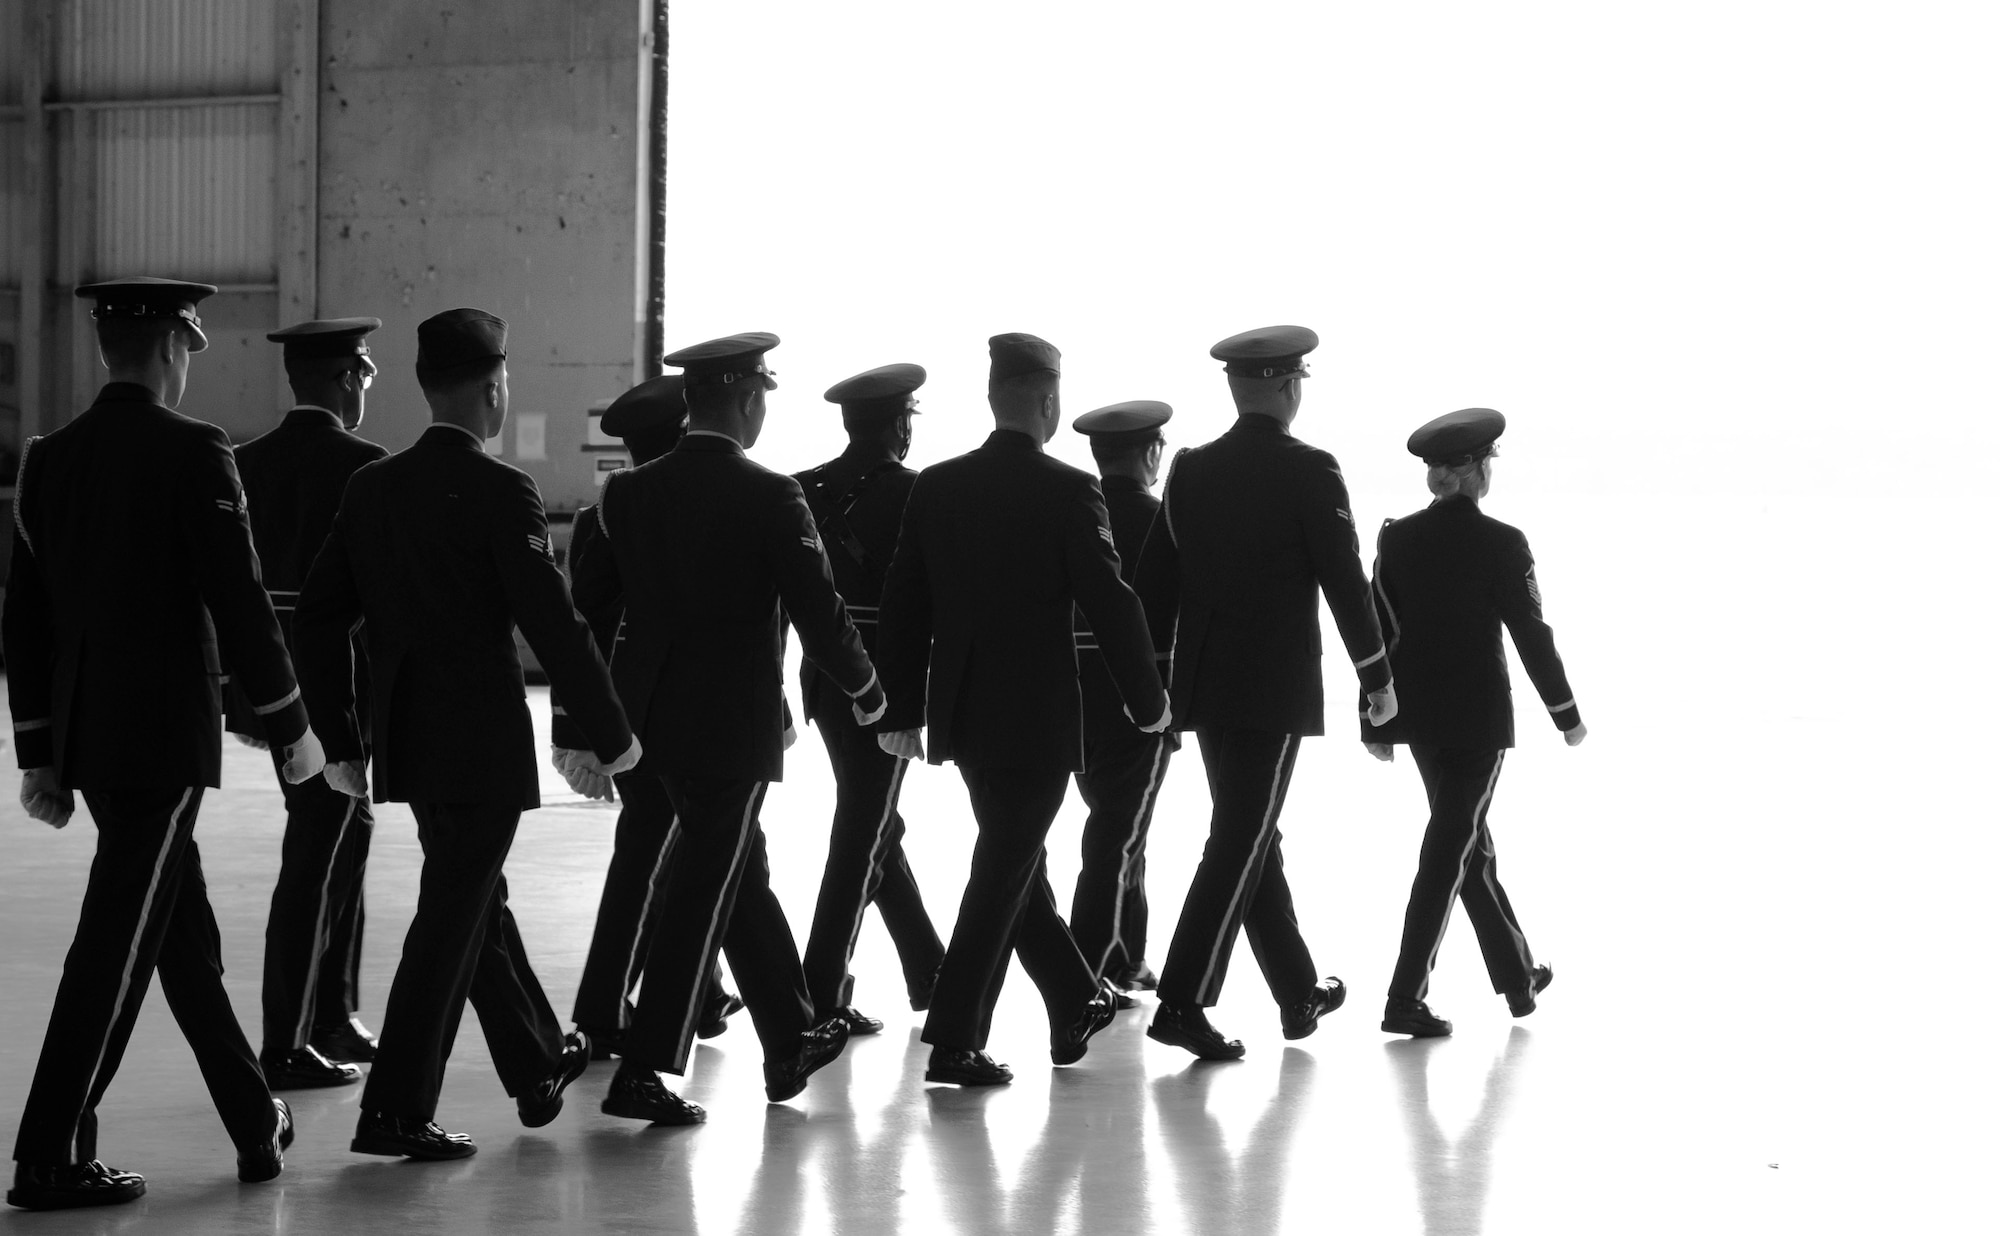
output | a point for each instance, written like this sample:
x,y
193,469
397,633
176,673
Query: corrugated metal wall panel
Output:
x,y
12,36
186,190
125,49
16,211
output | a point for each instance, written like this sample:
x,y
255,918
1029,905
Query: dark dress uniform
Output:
x,y
443,550
857,503
293,477
1258,526
998,549
134,579
710,553
1123,768
1447,579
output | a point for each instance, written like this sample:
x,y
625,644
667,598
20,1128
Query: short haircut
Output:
x,y
1125,447
315,371
128,343
441,381
716,398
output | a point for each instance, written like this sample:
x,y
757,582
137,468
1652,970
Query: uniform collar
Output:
x,y
708,442
1457,502
1128,484
126,392
1011,440
312,413
444,433
868,453
1258,423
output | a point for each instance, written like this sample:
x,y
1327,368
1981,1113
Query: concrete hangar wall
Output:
x,y
329,158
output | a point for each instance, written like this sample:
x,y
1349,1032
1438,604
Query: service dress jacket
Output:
x,y
293,477
442,550
1446,580
857,502
1133,511
999,548
710,555
134,580
1258,526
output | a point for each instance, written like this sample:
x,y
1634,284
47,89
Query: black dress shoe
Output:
x,y
716,1013
1122,1000
381,1133
542,1102
305,1069
921,993
1521,1001
347,1043
1301,1017
1069,1045
818,1047
966,1068
859,1023
604,1044
70,1185
268,1159
638,1094
1188,1027
1137,977
1403,1015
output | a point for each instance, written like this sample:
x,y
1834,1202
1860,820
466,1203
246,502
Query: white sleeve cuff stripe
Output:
x,y
265,710
1380,653
1565,706
865,687
41,723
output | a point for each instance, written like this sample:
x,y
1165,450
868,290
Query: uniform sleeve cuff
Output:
x,y
1567,717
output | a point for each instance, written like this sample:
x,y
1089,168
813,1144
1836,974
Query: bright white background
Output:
x,y
1729,269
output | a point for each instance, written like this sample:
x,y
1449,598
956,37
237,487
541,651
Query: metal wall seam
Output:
x,y
188,189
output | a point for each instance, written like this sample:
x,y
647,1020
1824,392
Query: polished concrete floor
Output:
x,y
1669,1083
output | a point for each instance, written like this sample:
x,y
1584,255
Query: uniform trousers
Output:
x,y
865,865
462,945
1457,864
1241,880
1008,908
312,941
1120,783
717,896
629,907
145,908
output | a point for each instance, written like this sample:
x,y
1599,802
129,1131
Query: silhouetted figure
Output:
x,y
857,501
1258,526
997,547
133,572
294,477
1446,580
443,550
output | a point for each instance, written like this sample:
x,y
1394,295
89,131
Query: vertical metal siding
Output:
x,y
13,34
17,212
185,189
128,49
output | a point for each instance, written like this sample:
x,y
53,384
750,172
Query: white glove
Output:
x,y
1381,751
350,777
304,758
868,718
1575,735
1166,718
624,763
903,744
255,744
791,736
1382,705
589,783
45,799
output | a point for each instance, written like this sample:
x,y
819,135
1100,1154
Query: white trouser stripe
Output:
x,y
1271,804
875,849
322,926
1128,852
1465,855
708,937
132,952
645,911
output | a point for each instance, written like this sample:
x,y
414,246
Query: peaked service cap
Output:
x,y
1267,352
1458,437
144,296
725,359
327,337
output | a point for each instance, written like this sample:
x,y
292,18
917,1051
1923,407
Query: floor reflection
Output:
x,y
1452,1173
1219,1191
